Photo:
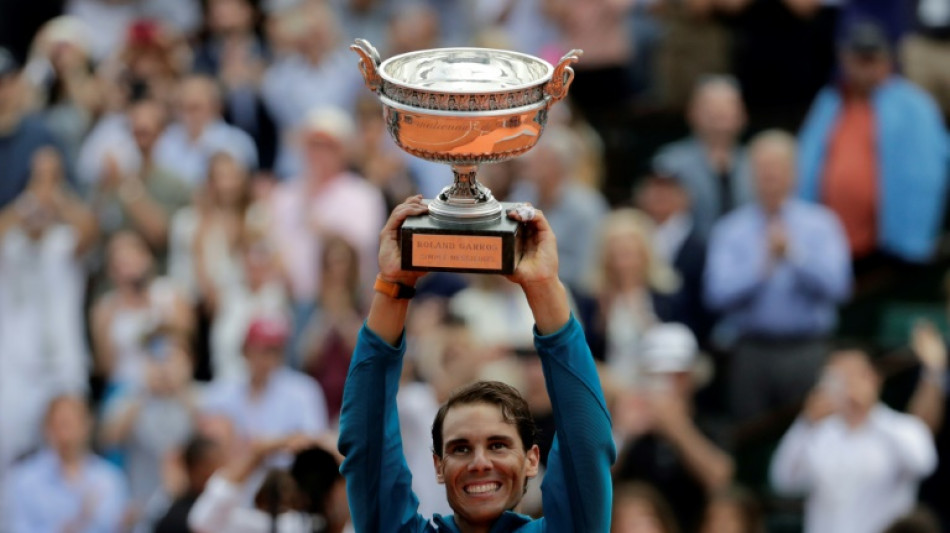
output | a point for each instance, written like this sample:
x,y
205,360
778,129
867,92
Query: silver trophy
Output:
x,y
464,107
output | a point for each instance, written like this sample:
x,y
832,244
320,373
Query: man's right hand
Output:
x,y
390,254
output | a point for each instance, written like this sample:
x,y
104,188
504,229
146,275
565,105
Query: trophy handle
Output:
x,y
563,76
369,64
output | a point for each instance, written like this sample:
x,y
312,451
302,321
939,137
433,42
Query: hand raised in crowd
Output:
x,y
929,347
820,404
390,253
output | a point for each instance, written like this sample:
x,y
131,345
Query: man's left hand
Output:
x,y
539,261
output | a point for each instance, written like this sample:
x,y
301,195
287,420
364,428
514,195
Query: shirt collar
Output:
x,y
508,521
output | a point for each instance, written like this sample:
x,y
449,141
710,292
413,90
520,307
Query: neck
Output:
x,y
71,461
466,527
258,384
9,119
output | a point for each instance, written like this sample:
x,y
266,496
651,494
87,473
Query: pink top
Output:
x,y
346,205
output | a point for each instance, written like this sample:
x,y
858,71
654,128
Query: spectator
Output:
x,y
79,490
273,401
318,72
143,199
287,502
60,71
693,43
44,235
677,241
600,28
187,145
202,456
662,445
639,508
735,510
929,404
234,54
776,271
857,461
783,53
874,150
711,163
325,200
149,423
21,133
574,210
139,307
260,292
924,48
634,289
112,19
206,237
331,334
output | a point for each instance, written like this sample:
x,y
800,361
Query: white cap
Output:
x,y
330,121
668,348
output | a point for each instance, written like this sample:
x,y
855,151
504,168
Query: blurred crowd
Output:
x,y
748,197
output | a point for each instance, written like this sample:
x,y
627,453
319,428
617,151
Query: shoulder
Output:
x,y
735,221
814,214
676,150
297,383
106,473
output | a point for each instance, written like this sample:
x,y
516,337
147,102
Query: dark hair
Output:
x,y
745,502
315,471
920,520
197,450
514,410
638,491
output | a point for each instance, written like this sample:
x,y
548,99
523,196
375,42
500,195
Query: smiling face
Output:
x,y
484,465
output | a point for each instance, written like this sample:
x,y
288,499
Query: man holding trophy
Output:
x,y
464,107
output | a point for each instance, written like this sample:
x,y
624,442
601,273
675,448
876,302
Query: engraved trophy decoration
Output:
x,y
464,107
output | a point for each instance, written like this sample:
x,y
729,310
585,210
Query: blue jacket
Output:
x,y
576,489
912,164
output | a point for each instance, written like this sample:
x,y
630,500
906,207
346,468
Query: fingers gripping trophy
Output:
x,y
464,107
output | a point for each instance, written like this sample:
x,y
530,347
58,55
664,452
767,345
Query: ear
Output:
x,y
437,462
534,459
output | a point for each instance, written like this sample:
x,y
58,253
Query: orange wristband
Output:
x,y
395,290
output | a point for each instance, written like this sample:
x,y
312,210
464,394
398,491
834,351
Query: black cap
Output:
x,y
866,37
8,64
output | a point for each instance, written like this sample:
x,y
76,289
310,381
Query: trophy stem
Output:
x,y
465,200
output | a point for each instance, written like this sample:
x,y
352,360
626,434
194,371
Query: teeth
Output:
x,y
482,488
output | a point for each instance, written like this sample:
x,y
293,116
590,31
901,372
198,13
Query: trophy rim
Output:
x,y
548,67
389,102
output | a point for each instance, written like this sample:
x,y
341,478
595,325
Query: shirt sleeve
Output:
x,y
109,492
378,480
790,472
821,261
576,491
908,439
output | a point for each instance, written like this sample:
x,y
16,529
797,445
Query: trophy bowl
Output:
x,y
464,107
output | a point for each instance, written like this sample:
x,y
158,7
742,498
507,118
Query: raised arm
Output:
x,y
576,491
378,481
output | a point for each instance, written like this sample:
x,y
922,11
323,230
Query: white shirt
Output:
x,y
43,349
669,236
856,480
219,508
176,152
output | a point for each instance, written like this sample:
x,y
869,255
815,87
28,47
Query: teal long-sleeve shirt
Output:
x,y
576,490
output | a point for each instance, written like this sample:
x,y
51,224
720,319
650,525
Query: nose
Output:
x,y
479,462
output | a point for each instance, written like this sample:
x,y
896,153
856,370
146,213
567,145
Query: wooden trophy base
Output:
x,y
491,247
